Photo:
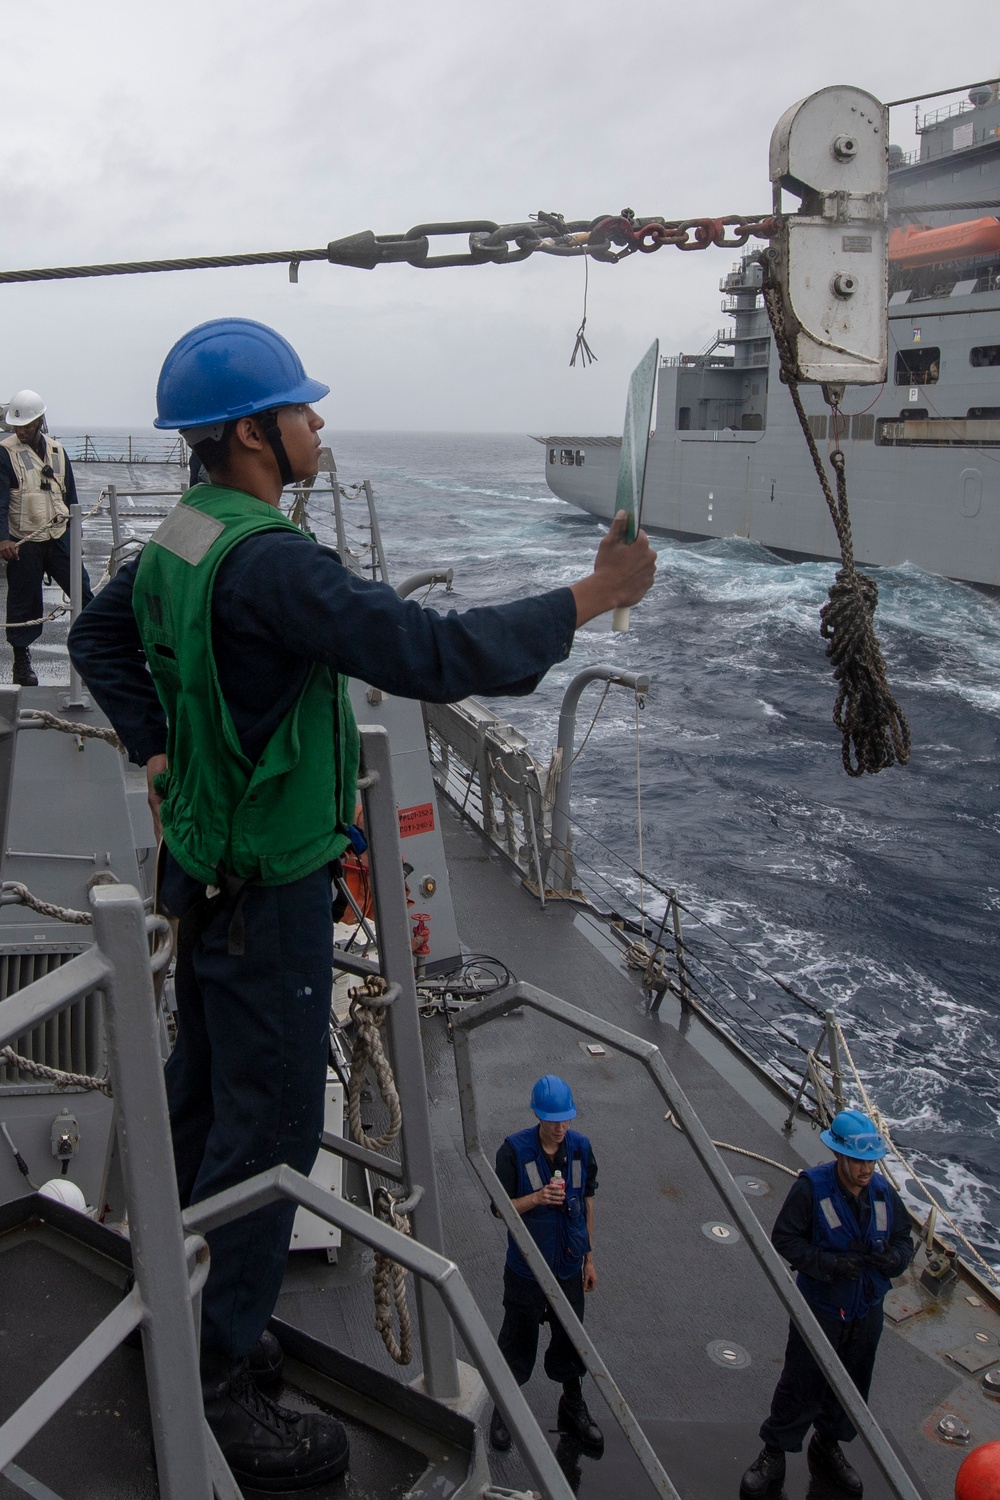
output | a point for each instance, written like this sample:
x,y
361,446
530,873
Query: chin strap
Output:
x,y
269,426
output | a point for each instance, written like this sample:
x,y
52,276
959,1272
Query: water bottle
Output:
x,y
557,1178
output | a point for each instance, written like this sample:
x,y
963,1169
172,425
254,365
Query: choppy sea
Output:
x,y
878,897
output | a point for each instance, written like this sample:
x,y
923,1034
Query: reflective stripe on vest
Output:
x,y
37,513
534,1176
829,1213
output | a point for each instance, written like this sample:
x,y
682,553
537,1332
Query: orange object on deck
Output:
x,y
979,1476
916,246
354,871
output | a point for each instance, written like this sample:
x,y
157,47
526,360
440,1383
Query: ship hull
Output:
x,y
933,501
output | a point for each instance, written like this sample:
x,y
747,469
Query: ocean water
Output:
x,y
878,897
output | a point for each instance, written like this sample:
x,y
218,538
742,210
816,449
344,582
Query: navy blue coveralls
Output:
x,y
560,1232
818,1222
34,560
245,1082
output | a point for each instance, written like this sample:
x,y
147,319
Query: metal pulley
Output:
x,y
830,257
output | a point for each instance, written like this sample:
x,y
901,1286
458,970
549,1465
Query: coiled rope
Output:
x,y
873,728
389,1286
368,1012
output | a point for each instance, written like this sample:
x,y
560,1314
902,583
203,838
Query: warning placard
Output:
x,y
416,820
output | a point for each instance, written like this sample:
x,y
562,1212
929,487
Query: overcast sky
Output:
x,y
134,129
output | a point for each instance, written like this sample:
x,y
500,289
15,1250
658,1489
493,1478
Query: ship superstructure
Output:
x,y
727,456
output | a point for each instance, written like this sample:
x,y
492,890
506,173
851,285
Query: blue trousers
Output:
x,y
246,1080
24,585
802,1397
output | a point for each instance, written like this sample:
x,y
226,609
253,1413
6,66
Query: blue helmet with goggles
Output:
x,y
852,1134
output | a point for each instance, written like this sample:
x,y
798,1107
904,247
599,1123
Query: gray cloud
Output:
x,y
231,126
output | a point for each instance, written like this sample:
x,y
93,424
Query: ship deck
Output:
x,y
667,1290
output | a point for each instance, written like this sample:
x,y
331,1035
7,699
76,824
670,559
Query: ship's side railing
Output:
x,y
170,1255
649,1055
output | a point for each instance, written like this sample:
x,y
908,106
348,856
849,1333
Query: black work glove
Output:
x,y
886,1261
847,1267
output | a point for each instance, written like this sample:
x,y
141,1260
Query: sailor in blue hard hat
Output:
x,y
845,1230
222,657
550,1174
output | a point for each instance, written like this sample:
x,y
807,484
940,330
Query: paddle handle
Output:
x,y
620,618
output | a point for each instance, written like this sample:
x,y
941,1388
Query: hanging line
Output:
x,y
581,348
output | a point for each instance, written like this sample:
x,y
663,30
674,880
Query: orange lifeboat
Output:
x,y
915,246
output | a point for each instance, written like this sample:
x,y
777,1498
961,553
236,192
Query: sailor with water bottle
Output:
x,y
550,1175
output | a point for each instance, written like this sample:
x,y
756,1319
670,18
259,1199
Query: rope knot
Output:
x,y
873,728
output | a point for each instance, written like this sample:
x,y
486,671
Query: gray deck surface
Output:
x,y
665,1290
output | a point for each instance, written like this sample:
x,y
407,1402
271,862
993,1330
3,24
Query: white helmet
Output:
x,y
24,408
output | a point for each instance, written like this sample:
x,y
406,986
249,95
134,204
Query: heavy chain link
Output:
x,y
550,234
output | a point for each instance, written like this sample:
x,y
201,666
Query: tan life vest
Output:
x,y
35,513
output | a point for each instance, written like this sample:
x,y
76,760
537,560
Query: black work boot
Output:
x,y
499,1435
263,1448
24,672
574,1418
826,1456
765,1473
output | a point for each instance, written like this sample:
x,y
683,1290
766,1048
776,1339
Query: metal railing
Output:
x,y
169,1252
84,448
488,1010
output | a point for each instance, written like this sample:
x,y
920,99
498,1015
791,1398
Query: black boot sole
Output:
x,y
285,1483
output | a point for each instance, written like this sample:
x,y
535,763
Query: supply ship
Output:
x,y
474,938
727,457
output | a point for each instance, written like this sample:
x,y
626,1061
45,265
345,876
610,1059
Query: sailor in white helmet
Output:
x,y
36,487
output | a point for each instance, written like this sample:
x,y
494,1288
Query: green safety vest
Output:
x,y
279,819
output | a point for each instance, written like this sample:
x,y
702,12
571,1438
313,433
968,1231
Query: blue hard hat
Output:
x,y
852,1134
229,368
552,1099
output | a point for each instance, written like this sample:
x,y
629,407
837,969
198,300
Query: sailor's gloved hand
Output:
x,y
847,1267
886,1261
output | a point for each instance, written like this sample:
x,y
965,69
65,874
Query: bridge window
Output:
x,y
571,456
918,365
984,356
984,413
817,426
863,427
552,455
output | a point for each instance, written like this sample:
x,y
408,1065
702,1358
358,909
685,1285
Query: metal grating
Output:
x,y
73,1040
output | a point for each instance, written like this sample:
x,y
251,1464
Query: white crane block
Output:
x,y
831,255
